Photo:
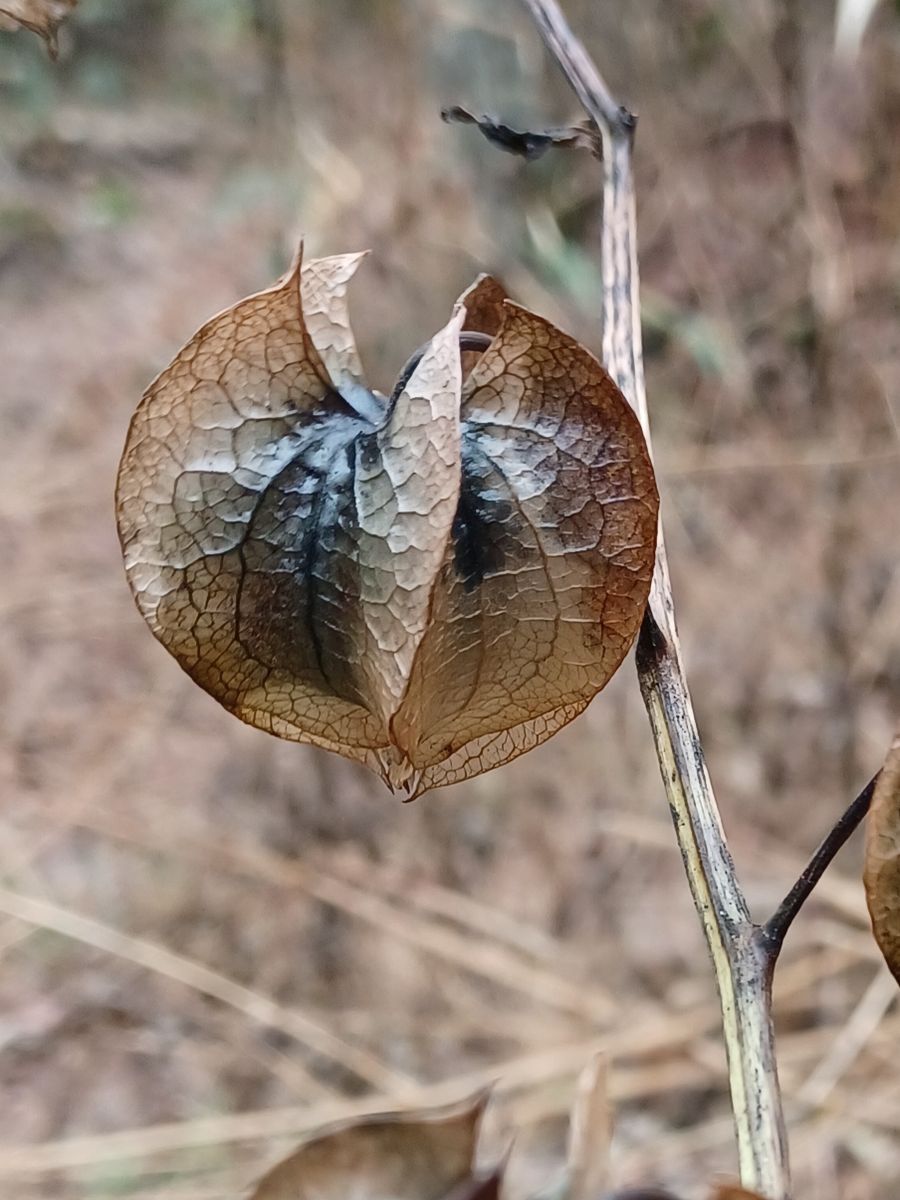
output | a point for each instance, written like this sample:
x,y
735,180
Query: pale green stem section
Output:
x,y
741,965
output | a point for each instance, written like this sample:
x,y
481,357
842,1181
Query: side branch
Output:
x,y
734,943
775,929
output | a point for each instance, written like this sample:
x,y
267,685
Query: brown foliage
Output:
x,y
525,143
570,843
425,1155
431,585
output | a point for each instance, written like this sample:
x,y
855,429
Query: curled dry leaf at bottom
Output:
x,y
430,584
881,874
417,1155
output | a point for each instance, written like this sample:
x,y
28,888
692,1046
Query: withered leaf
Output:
x,y
42,17
881,874
526,143
431,585
417,1155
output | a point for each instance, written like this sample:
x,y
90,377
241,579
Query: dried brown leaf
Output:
x,y
417,1155
546,585
485,313
484,305
430,585
527,144
882,865
42,17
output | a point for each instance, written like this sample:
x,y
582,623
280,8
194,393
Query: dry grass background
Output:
x,y
212,940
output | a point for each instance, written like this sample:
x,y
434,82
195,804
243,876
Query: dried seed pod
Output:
x,y
430,585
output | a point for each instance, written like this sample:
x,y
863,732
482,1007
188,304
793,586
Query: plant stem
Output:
x,y
739,956
774,931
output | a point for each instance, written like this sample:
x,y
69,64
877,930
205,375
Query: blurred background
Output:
x,y
211,941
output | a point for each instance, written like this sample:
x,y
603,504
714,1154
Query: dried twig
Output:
x,y
736,948
775,929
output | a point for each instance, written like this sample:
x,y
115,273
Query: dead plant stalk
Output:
x,y
742,965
